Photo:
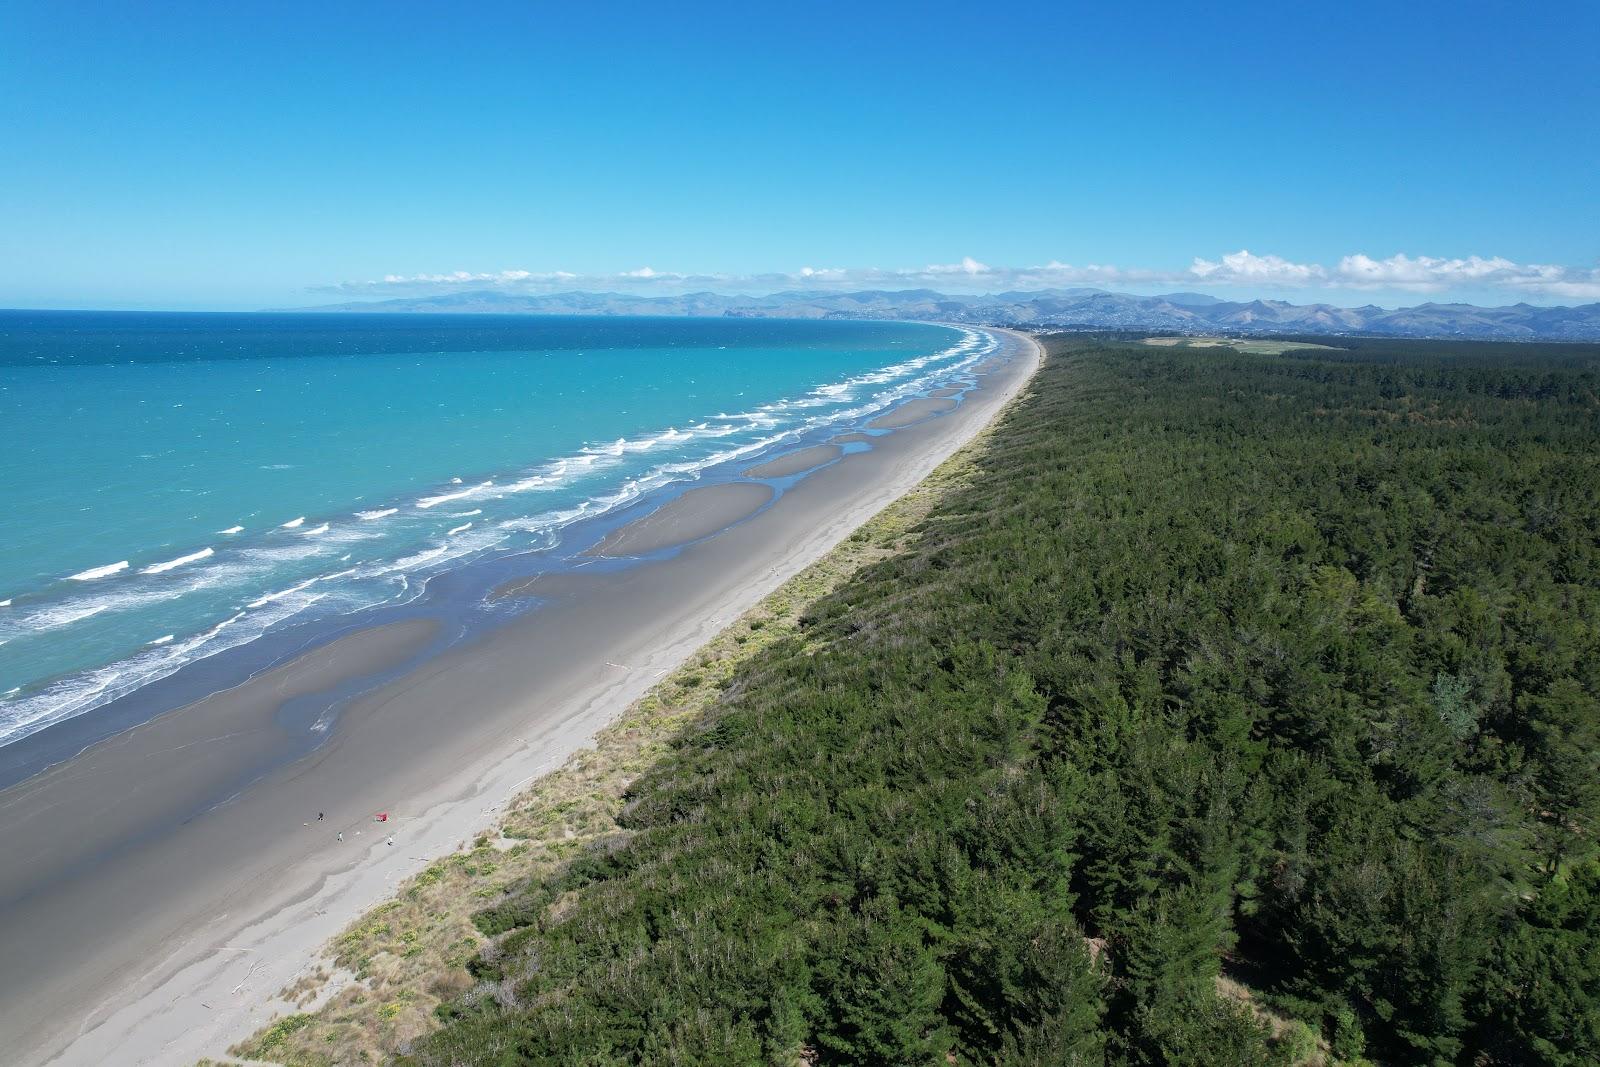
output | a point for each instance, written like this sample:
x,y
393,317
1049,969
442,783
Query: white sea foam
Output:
x,y
5,603
53,618
161,640
459,529
527,485
74,610
280,594
162,568
381,513
615,448
466,514
409,562
445,498
232,530
550,520
294,524
286,553
336,536
315,531
219,627
94,573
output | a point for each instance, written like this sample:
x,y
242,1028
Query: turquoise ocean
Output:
x,y
178,485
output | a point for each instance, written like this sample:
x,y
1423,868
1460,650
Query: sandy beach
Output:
x,y
140,930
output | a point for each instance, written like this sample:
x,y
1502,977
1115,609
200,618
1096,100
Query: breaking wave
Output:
x,y
162,568
95,573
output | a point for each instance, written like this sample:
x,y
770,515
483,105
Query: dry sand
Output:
x,y
796,462
169,946
909,412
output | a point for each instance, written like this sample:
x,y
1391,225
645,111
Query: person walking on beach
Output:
x,y
341,835
391,840
319,816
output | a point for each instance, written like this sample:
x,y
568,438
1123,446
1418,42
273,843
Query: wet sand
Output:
x,y
909,412
796,462
108,801
949,390
853,439
696,514
161,938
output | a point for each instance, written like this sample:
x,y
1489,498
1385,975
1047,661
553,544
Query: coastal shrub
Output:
x,y
275,1036
1223,667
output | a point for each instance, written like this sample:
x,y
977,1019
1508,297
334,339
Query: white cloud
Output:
x,y
1244,267
1241,270
1430,274
967,266
1403,270
461,277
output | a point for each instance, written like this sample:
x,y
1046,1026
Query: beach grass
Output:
x,y
378,983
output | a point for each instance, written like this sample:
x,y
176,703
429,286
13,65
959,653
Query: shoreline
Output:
x,y
83,651
224,911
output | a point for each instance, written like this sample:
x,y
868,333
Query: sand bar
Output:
x,y
949,390
796,462
853,439
911,411
696,514
168,944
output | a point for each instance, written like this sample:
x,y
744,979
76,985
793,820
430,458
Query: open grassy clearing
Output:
x,y
1253,348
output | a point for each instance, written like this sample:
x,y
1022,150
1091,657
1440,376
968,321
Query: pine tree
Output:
x,y
1565,725
1540,998
883,994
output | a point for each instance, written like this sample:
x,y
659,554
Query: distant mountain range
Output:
x,y
1069,308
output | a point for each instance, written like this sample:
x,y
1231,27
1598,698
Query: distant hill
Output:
x,y
1193,300
1071,308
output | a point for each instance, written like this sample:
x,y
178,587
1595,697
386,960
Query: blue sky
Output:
x,y
245,155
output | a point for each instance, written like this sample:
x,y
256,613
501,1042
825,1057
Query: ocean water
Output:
x,y
176,485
